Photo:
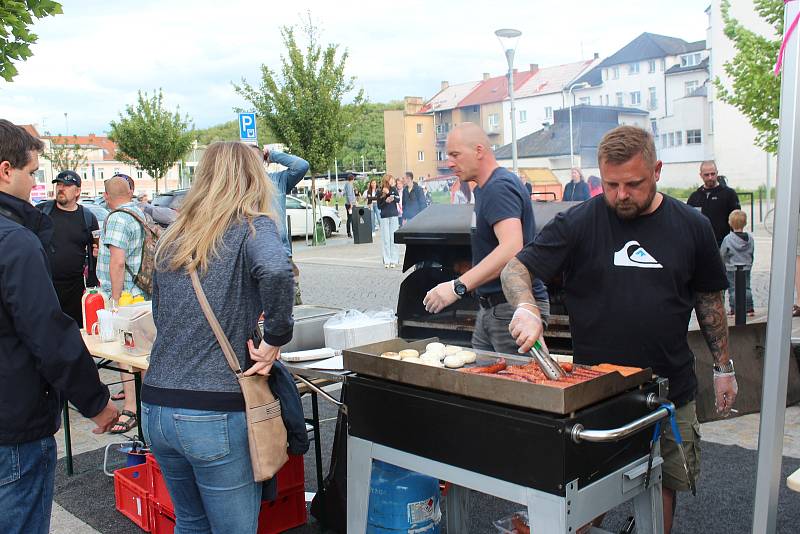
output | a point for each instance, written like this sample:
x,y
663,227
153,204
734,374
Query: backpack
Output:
x,y
152,231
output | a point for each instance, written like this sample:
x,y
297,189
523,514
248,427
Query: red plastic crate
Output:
x,y
286,512
162,520
131,491
292,476
158,488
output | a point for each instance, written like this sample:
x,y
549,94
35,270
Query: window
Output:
x,y
585,100
439,128
494,120
654,127
548,112
652,101
476,109
102,174
495,147
664,140
138,175
636,98
671,137
605,74
690,60
615,73
523,116
663,64
693,137
651,65
420,155
633,68
620,101
419,127
606,101
440,156
678,138
691,87
293,204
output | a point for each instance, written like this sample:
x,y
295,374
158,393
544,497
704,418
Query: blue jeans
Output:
x,y
205,459
391,250
27,477
376,216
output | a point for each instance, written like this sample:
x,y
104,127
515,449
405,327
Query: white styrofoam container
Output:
x,y
344,333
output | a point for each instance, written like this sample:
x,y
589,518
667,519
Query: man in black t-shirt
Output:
x,y
635,263
72,245
503,224
715,200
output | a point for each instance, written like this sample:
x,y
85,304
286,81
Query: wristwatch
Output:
x,y
459,288
724,368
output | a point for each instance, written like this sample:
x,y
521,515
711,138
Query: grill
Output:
x,y
438,249
520,441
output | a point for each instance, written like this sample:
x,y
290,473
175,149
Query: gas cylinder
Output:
x,y
93,299
402,501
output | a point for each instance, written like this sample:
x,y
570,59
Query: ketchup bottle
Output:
x,y
92,301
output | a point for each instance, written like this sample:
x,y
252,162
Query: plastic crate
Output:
x,y
292,476
286,512
162,520
131,491
158,487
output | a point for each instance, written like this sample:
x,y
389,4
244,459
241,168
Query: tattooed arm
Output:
x,y
526,325
713,322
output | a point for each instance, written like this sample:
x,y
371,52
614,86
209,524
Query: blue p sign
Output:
x,y
247,127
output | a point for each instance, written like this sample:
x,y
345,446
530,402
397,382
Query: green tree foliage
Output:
x,y
229,131
150,136
16,18
755,90
64,155
303,104
367,139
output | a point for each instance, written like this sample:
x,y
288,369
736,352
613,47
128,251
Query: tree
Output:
x,y
367,139
16,17
755,90
150,136
229,131
64,155
303,105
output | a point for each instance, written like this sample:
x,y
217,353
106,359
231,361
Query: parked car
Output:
x,y
165,200
300,213
99,211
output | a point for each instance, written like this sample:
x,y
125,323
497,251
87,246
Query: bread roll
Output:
x,y
432,363
413,360
434,347
409,353
438,356
467,355
452,349
453,361
391,355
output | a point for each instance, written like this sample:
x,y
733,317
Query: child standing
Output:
x,y
737,249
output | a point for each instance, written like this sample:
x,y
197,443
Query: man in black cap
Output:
x,y
71,253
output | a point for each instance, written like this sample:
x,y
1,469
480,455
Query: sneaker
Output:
x,y
387,266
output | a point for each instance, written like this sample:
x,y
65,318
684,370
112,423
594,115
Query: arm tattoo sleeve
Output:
x,y
517,283
713,323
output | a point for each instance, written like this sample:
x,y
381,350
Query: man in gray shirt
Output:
x,y
349,202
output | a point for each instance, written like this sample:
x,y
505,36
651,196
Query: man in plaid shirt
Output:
x,y
118,261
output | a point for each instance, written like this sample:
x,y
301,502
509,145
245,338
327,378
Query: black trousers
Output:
x,y
70,293
349,209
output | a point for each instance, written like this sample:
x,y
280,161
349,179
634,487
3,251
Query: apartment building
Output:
x,y
410,140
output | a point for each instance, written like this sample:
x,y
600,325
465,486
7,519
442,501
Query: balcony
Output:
x,y
494,129
652,104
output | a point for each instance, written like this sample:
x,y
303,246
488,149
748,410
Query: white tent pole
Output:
x,y
781,291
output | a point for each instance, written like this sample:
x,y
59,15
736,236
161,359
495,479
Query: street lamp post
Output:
x,y
508,40
571,97
362,164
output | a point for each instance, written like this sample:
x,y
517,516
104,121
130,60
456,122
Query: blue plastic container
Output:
x,y
402,501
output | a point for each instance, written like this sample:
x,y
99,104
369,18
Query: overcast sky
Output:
x,y
90,61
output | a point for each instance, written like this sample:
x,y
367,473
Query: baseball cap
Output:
x,y
68,178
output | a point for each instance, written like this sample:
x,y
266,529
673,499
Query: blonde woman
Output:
x,y
387,203
192,406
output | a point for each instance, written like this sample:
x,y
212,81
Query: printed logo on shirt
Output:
x,y
632,254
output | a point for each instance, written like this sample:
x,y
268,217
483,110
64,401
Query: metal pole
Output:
x,y
571,147
781,291
510,59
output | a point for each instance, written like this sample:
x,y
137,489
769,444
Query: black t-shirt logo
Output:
x,y
632,254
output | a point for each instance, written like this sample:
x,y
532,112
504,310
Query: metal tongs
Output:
x,y
546,363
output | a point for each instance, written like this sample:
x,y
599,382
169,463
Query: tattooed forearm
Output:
x,y
713,323
516,280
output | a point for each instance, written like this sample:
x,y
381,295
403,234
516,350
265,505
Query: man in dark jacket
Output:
x,y
413,198
715,200
42,356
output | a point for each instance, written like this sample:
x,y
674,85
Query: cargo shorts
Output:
x,y
673,473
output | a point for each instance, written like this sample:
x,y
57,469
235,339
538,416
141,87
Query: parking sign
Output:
x,y
247,128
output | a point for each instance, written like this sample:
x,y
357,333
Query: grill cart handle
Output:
x,y
579,433
319,391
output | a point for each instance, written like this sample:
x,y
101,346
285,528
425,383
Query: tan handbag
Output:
x,y
266,432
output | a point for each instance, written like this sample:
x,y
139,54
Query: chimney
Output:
x,y
596,55
534,67
485,76
445,85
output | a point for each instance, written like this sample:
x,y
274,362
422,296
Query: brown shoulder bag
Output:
x,y
266,432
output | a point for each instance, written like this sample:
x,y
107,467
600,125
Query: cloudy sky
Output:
x,y
90,61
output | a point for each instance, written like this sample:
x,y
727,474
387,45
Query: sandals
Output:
x,y
118,396
126,426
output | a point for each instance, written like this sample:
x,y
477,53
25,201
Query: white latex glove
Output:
x,y
440,297
525,328
725,391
